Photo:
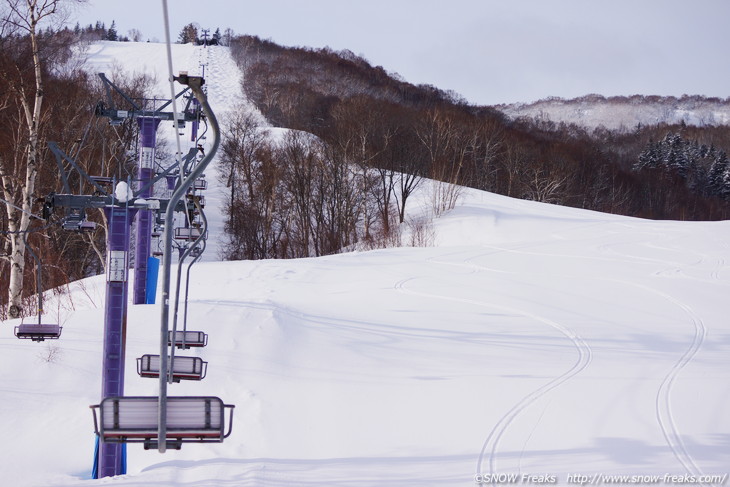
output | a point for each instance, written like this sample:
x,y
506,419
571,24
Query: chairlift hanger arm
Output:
x,y
195,84
111,111
39,275
89,201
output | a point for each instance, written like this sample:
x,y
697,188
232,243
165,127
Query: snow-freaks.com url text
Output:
x,y
600,479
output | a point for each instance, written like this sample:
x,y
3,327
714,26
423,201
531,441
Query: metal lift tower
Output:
x,y
147,121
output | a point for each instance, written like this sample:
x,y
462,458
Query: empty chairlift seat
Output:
x,y
183,368
134,419
200,184
187,233
187,339
37,332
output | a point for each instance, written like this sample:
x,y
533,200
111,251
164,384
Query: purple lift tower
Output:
x,y
145,173
110,460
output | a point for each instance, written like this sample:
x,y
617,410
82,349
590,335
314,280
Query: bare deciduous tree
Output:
x,y
21,23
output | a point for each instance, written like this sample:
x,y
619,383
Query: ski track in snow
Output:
x,y
489,448
664,415
663,408
663,397
583,360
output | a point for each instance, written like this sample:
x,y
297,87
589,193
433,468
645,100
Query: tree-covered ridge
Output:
x,y
703,168
440,135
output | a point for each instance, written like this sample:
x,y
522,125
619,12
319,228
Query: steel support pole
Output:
x,y
115,325
145,173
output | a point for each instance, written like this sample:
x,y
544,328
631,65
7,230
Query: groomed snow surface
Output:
x,y
527,339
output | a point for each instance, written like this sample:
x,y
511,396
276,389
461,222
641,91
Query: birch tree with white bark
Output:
x,y
22,21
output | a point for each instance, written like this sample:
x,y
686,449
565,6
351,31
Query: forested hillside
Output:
x,y
43,99
364,140
376,119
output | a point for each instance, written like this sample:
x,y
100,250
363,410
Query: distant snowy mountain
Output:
x,y
624,113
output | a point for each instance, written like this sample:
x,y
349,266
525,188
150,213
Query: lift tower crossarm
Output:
x,y
111,111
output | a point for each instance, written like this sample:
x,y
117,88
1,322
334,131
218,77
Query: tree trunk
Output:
x,y
22,218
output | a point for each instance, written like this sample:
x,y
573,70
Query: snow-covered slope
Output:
x,y
624,113
529,339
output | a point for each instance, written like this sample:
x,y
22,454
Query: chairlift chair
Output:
x,y
200,184
87,226
171,180
75,221
187,233
38,332
188,339
184,368
134,419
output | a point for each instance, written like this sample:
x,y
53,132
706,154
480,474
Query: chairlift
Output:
x,y
200,184
76,221
187,233
134,419
187,339
37,332
87,226
184,368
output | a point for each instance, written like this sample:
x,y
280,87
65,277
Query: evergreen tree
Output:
x,y
717,179
649,158
189,33
111,34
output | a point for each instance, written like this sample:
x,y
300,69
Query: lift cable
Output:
x,y
24,211
171,74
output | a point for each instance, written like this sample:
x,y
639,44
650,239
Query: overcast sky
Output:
x,y
489,51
